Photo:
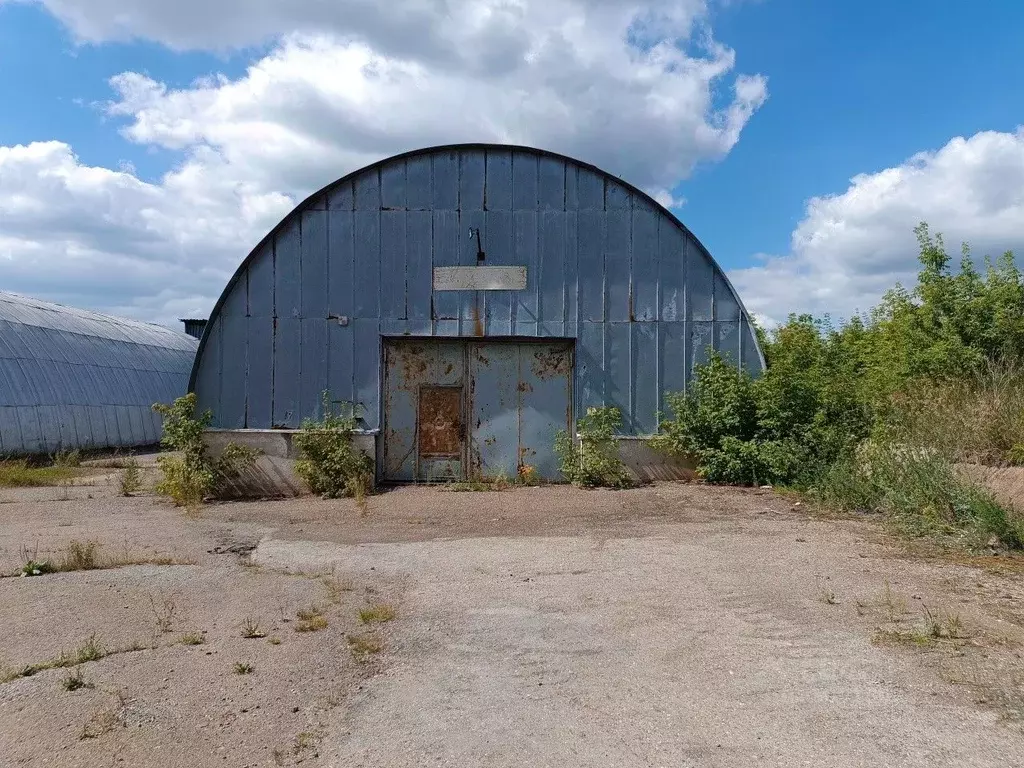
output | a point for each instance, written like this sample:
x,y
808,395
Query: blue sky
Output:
x,y
827,92
854,88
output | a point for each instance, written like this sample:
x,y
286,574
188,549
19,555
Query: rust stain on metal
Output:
x,y
550,362
440,423
478,326
413,363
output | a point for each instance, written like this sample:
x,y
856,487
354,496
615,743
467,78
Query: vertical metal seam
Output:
x,y
327,301
245,382
273,332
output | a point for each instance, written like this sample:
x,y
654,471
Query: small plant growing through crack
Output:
x,y
131,477
244,668
76,680
251,628
942,626
163,613
377,614
33,566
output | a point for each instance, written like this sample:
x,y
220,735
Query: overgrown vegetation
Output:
x,y
878,414
328,461
593,460
191,475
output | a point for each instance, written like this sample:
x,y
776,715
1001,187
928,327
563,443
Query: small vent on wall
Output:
x,y
194,327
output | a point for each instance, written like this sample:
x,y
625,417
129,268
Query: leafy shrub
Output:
x,y
191,476
328,461
594,460
721,423
37,568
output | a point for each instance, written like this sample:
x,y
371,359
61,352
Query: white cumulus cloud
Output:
x,y
850,247
641,89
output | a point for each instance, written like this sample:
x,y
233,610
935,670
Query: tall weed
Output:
x,y
329,462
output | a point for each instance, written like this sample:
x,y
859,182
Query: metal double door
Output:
x,y
457,409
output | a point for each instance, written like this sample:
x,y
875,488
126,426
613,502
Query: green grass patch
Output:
x,y
20,474
377,614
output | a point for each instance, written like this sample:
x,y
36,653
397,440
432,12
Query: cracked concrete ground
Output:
x,y
670,625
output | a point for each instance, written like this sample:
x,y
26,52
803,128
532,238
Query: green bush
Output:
x,y
875,414
919,491
594,460
328,461
192,475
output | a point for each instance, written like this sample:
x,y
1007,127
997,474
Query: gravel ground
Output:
x,y
671,625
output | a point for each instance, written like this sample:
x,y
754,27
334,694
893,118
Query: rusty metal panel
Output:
x,y
545,404
494,409
409,366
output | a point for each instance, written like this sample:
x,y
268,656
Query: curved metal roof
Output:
x,y
470,146
70,378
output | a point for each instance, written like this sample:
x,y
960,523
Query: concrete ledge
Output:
x,y
648,465
273,475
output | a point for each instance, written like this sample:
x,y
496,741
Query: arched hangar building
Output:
x,y
71,379
472,300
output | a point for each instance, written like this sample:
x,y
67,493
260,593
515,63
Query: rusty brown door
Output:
x,y
441,433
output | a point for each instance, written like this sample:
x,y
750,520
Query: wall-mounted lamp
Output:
x,y
480,255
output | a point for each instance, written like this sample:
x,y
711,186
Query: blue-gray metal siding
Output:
x,y
76,379
606,266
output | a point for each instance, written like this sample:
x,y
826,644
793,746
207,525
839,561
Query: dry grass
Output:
x,y
105,720
378,614
363,646
336,588
243,668
192,638
311,619
164,610
85,556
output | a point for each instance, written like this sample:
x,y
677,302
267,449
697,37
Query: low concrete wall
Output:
x,y
273,475
648,465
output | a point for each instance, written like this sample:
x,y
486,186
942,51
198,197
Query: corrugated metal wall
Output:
x,y
76,379
605,265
